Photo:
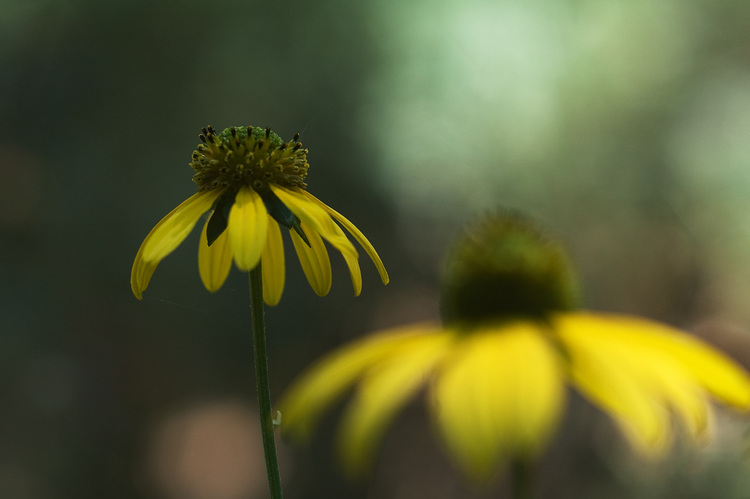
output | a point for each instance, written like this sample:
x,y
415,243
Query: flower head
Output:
x,y
252,183
496,371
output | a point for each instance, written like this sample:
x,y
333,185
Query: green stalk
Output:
x,y
522,480
261,381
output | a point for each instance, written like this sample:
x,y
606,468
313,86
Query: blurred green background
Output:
x,y
623,125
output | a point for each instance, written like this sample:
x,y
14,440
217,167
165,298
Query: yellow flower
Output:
x,y
252,183
497,384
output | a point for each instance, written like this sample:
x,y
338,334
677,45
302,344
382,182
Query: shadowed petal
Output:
x,y
385,388
356,233
499,396
318,387
272,265
314,260
316,218
247,227
215,261
166,236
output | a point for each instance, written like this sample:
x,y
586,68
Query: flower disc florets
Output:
x,y
505,267
248,156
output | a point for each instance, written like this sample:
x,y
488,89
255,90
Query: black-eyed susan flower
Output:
x,y
252,183
496,370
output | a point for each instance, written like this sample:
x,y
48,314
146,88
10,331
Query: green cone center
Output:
x,y
503,268
248,156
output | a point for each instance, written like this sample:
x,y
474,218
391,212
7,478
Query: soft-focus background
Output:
x,y
623,125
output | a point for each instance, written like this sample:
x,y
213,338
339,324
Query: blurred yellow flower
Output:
x,y
252,183
497,385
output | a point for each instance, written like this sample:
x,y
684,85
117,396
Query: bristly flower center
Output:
x,y
248,156
505,267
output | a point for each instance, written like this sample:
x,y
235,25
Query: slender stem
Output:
x,y
261,381
522,480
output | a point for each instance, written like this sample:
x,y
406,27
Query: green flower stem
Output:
x,y
521,479
261,381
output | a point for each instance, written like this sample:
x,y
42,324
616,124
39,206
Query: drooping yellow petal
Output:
x,y
352,262
499,395
319,387
314,260
617,377
666,384
314,217
709,368
140,275
384,389
248,228
215,261
272,265
166,236
720,376
675,369
678,392
175,227
356,233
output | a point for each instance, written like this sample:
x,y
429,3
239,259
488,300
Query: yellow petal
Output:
x,y
318,388
710,368
140,275
679,393
314,260
385,388
248,228
352,262
622,378
498,396
166,236
356,233
215,261
674,367
316,218
175,227
272,265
